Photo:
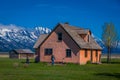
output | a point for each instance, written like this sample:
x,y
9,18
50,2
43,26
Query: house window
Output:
x,y
85,53
48,51
68,52
59,36
96,53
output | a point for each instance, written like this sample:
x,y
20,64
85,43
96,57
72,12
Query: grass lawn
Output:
x,y
13,69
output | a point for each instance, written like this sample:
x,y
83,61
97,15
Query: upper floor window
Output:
x,y
68,52
59,36
48,51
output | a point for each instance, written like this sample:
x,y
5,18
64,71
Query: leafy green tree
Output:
x,y
110,38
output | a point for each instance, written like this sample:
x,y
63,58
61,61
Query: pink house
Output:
x,y
69,44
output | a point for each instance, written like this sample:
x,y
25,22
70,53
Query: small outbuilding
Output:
x,y
21,53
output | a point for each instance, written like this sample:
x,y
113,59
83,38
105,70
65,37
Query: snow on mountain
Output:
x,y
14,37
41,30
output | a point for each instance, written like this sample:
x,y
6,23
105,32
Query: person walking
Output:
x,y
52,59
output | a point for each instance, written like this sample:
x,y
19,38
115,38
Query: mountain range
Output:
x,y
15,37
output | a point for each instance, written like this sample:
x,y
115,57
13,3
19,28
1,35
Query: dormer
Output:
x,y
84,34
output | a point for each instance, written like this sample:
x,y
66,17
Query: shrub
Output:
x,y
25,65
15,65
88,62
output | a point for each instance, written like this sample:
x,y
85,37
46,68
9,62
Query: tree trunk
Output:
x,y
108,55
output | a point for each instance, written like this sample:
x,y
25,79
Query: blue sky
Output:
x,y
90,14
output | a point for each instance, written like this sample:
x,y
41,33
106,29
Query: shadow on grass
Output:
x,y
29,62
116,75
111,62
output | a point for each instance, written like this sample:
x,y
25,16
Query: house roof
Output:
x,y
81,43
40,40
23,51
74,33
82,31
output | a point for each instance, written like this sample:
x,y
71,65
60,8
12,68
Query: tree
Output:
x,y
110,38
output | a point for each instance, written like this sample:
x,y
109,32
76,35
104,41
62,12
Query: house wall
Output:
x,y
83,59
37,54
13,54
24,55
59,48
96,59
90,57
94,56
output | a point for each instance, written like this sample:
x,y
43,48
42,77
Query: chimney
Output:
x,y
66,23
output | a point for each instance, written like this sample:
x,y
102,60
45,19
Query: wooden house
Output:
x,y
21,53
69,44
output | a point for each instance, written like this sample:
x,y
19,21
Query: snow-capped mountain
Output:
x,y
17,37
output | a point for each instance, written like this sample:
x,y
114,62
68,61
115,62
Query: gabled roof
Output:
x,y
23,51
73,32
40,40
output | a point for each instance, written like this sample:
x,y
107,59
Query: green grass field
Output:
x,y
43,71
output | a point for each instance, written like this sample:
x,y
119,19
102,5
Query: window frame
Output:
x,y
48,51
68,53
59,35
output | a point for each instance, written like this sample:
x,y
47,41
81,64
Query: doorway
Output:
x,y
91,56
